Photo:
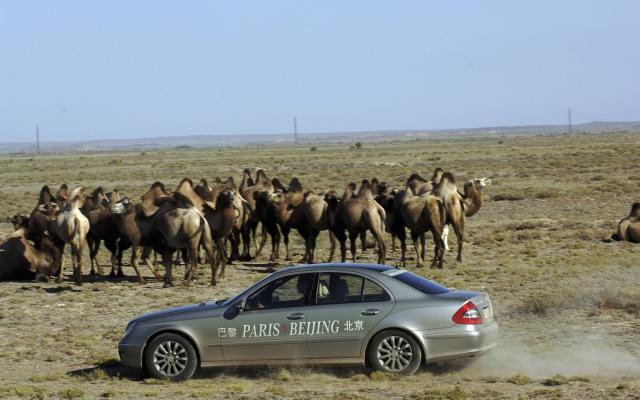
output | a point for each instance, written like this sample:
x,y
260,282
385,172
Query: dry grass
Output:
x,y
540,256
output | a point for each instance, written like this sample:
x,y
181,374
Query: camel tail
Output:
x,y
383,217
74,231
443,214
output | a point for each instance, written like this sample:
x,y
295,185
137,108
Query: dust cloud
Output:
x,y
595,357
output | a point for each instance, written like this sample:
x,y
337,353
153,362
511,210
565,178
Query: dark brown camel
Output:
x,y
356,214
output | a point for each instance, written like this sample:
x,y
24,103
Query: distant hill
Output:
x,y
200,141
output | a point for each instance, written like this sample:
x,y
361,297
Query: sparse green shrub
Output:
x,y
71,393
555,380
314,148
519,379
508,196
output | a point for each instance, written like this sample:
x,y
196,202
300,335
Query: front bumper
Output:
x,y
131,353
465,341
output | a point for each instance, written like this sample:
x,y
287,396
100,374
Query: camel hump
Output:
x,y
45,195
295,185
182,200
365,189
63,193
635,210
203,182
449,177
231,182
157,185
416,177
184,183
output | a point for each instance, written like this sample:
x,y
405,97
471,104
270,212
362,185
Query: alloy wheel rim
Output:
x,y
394,354
170,358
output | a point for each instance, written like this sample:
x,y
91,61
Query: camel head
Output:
x,y
278,186
225,199
19,221
477,184
50,210
331,197
113,196
76,196
62,196
437,176
123,206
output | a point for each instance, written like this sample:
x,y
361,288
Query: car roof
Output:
x,y
333,266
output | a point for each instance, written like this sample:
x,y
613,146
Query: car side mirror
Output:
x,y
239,306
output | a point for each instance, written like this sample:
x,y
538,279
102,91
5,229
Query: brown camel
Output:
x,y
290,213
248,192
472,196
134,222
447,191
20,259
629,227
316,211
179,224
222,219
356,214
71,226
420,214
97,208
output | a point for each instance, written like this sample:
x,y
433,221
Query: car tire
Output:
x,y
170,356
396,352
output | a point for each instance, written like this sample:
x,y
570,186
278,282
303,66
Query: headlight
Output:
x,y
130,326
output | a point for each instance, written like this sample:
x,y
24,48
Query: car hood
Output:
x,y
178,310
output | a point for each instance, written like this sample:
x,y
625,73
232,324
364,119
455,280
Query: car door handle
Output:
x,y
297,315
370,311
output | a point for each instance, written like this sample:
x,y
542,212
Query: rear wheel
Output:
x,y
170,356
395,351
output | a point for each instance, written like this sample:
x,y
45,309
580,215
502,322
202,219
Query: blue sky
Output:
x,y
123,69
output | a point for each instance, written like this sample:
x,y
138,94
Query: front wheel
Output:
x,y
170,356
395,351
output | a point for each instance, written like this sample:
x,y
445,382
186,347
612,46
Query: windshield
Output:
x,y
418,282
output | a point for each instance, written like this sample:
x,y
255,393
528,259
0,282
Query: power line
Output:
x,y
570,125
295,131
37,139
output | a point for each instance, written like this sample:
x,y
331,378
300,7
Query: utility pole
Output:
x,y
570,126
37,139
295,131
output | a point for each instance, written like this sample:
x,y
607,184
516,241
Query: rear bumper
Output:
x,y
131,354
469,341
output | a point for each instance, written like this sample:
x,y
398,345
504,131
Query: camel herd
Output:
x,y
217,224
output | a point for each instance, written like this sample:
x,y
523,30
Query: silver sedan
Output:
x,y
376,315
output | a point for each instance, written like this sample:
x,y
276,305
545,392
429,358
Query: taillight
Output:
x,y
468,314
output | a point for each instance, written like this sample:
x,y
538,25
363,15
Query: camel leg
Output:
x,y
393,243
221,261
332,248
363,241
342,238
415,237
245,233
439,250
445,237
167,262
423,247
458,228
94,247
121,246
285,238
192,254
146,253
352,241
263,240
402,237
134,264
382,247
275,245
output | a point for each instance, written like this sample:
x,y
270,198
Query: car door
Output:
x,y
345,308
270,327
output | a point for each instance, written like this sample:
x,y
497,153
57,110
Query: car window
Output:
x,y
288,291
416,281
336,288
374,292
